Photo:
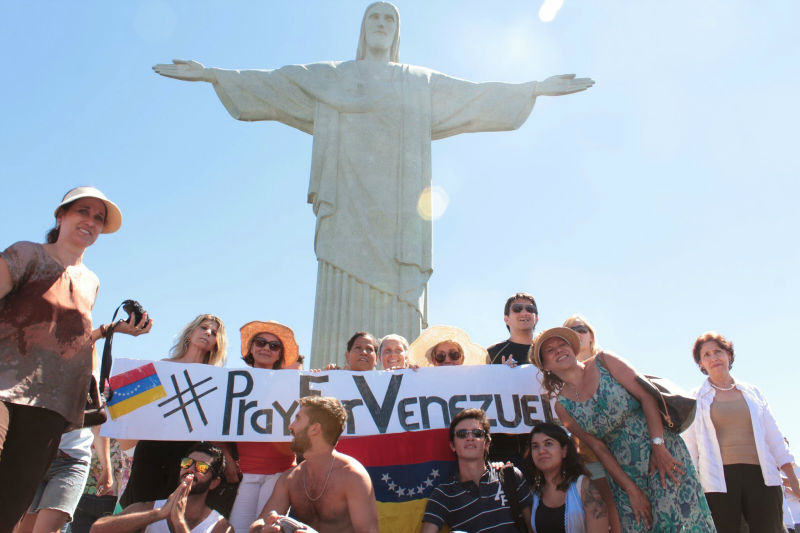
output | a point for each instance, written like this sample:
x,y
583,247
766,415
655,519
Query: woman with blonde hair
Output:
x,y
156,464
597,473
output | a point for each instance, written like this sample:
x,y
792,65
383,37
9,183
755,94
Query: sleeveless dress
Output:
x,y
616,417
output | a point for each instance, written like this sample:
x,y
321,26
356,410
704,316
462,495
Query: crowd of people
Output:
x,y
609,465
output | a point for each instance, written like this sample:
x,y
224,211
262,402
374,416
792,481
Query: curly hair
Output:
x,y
712,336
217,458
328,412
571,467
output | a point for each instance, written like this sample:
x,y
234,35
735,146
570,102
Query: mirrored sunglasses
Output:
x,y
201,466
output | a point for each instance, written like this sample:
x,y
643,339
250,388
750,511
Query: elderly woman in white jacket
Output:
x,y
736,445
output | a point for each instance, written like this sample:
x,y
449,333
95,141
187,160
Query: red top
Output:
x,y
264,457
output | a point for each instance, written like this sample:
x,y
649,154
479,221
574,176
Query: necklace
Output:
x,y
723,389
324,486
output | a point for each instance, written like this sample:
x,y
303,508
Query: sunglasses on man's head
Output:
x,y
201,466
517,308
440,357
579,329
476,433
273,345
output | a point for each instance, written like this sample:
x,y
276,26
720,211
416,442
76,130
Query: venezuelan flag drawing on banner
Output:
x,y
134,389
405,468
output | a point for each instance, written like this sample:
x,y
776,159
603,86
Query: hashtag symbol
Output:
x,y
183,405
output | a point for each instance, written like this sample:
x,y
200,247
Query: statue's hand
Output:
x,y
181,69
562,84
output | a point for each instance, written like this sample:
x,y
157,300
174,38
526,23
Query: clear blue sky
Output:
x,y
661,203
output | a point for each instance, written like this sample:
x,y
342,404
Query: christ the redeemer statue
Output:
x,y
373,120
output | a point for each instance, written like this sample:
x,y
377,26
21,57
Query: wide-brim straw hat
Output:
x,y
284,334
421,350
113,214
565,333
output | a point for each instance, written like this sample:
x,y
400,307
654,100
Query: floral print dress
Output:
x,y
616,417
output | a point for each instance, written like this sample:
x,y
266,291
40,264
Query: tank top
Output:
x,y
203,527
573,515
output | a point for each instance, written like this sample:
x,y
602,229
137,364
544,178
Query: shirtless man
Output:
x,y
329,491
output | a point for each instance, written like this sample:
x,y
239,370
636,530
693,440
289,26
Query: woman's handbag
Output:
x,y
99,394
675,406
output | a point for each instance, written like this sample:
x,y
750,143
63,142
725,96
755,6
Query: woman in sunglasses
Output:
x,y
563,497
155,463
271,346
445,346
597,473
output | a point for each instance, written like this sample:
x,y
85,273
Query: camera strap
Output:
x,y
105,365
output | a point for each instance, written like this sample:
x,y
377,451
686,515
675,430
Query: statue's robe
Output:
x,y
372,125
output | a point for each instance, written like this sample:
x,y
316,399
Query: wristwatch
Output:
x,y
657,441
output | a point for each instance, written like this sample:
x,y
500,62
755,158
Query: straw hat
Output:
x,y
113,214
565,333
284,334
421,350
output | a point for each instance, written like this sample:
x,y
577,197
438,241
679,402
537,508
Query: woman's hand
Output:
x,y
104,483
666,465
641,506
129,328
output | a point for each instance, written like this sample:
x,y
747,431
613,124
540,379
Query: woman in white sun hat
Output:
x,y
47,341
445,346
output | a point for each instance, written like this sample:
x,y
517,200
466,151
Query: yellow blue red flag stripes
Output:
x,y
405,468
134,389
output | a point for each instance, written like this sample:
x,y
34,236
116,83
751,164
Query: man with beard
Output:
x,y
329,491
185,510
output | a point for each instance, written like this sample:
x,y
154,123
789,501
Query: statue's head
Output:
x,y
380,28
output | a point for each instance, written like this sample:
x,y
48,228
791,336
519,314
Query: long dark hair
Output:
x,y
52,234
571,466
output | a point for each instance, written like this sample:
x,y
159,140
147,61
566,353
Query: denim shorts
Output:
x,y
62,486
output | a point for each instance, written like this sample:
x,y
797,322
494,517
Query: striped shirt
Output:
x,y
465,506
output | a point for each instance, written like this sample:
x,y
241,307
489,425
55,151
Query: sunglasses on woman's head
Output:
x,y
440,357
579,329
517,308
476,433
273,345
201,466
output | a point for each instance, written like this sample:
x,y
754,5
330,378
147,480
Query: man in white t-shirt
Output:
x,y
185,510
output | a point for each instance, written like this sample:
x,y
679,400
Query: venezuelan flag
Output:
x,y
134,389
405,468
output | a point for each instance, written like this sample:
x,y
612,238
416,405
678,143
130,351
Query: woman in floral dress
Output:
x,y
654,483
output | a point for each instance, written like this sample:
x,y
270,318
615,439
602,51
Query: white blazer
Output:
x,y
701,438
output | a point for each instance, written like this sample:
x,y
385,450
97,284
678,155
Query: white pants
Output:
x,y
254,491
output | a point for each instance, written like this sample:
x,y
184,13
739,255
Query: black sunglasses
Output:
x,y
579,329
440,357
476,433
273,345
517,308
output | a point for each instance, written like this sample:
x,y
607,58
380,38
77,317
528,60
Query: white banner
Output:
x,y
172,401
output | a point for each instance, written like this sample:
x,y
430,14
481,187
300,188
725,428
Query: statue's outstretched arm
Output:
x,y
562,84
186,70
